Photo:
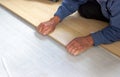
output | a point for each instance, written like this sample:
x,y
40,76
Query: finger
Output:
x,y
47,31
70,44
78,51
70,47
40,27
74,50
45,28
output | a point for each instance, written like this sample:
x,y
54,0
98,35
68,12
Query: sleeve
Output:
x,y
111,33
68,7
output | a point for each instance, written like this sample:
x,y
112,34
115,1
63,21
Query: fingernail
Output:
x,y
44,34
75,54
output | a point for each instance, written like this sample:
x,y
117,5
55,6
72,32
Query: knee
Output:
x,y
86,11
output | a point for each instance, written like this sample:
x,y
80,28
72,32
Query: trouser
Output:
x,y
92,10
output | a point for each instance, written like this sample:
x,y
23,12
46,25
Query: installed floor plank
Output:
x,y
27,54
36,11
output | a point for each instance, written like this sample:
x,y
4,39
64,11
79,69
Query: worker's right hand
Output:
x,y
49,26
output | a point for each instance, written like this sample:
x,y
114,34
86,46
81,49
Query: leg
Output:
x,y
92,10
55,0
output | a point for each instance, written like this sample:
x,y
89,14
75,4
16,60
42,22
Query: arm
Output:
x,y
108,35
111,33
68,7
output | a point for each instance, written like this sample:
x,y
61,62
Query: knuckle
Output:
x,y
41,24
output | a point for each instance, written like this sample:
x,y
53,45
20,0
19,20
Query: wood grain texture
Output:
x,y
36,11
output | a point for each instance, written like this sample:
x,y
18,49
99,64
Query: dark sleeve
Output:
x,y
68,7
111,33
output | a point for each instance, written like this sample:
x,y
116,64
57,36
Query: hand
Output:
x,y
49,26
79,45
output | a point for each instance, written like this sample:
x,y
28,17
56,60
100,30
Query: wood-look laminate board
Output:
x,y
36,11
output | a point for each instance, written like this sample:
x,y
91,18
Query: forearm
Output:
x,y
68,7
108,35
55,20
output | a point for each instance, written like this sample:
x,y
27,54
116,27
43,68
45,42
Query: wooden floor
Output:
x,y
36,11
25,53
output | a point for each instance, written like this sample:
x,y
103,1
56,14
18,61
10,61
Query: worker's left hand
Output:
x,y
79,45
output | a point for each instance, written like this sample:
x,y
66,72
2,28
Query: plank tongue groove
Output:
x,y
73,26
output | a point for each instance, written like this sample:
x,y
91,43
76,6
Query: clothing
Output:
x,y
109,8
92,10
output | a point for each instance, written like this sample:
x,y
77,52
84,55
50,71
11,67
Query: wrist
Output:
x,y
55,20
90,39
